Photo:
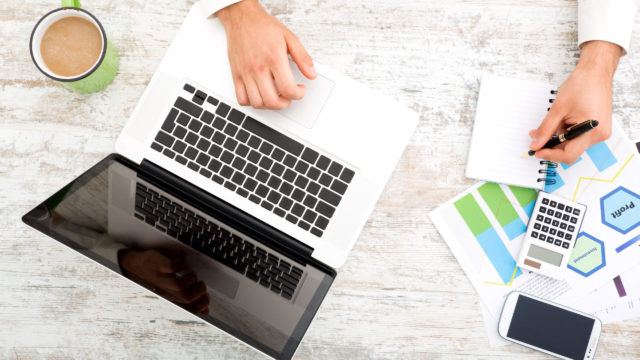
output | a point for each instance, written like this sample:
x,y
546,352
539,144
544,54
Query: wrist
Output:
x,y
242,8
600,57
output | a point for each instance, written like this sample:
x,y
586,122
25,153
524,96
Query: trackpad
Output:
x,y
215,278
306,111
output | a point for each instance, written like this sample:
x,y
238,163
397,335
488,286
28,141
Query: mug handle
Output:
x,y
71,3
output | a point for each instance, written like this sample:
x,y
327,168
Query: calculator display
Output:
x,y
542,254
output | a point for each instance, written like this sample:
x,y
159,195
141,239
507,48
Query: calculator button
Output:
x,y
568,209
539,217
542,237
534,235
567,236
550,212
545,201
550,240
565,217
545,228
560,207
576,211
536,226
542,209
557,242
547,220
563,226
558,214
560,233
571,227
565,245
553,203
552,231
574,220
555,223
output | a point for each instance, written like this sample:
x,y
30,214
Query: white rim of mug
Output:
x,y
50,74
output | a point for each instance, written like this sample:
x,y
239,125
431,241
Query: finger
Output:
x,y
568,153
253,93
300,56
547,128
270,97
189,295
241,92
285,82
201,304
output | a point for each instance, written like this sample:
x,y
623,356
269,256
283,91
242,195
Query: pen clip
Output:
x,y
573,126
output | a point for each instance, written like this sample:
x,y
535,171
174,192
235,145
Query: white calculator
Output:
x,y
551,235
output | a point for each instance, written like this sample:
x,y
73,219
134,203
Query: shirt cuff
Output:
x,y
210,7
607,20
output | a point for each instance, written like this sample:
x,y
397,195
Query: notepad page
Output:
x,y
507,110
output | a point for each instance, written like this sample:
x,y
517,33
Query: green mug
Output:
x,y
100,75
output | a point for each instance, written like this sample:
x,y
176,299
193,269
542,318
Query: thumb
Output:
x,y
546,130
300,56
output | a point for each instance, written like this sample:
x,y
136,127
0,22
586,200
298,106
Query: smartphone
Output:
x,y
548,327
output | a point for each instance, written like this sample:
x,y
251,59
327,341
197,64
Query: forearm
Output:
x,y
600,58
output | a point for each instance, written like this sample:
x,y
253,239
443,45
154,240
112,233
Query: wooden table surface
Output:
x,y
400,295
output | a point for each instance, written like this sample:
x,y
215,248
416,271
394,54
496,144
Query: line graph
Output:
x,y
594,179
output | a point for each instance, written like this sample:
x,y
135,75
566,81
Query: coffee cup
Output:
x,y
70,45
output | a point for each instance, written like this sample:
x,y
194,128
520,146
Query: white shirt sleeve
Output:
x,y
210,7
608,20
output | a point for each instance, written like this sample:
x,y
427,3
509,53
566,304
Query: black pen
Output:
x,y
572,132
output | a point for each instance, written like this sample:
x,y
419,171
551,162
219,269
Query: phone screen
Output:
x,y
550,328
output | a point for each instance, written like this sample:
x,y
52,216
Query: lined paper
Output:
x,y
507,110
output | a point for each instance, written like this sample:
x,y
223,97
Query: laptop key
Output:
x,y
235,116
219,123
169,122
339,187
298,195
266,205
213,101
181,160
317,232
273,136
223,109
207,132
250,184
230,144
325,209
310,156
325,179
292,219
191,153
226,172
164,139
157,147
262,191
304,225
188,88
179,132
254,198
183,119
192,138
229,185
193,166
330,197
289,175
179,147
203,144
297,210
347,175
168,153
207,117
215,165
262,176
322,222
188,107
335,169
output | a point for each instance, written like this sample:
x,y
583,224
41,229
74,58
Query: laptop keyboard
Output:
x,y
253,160
218,243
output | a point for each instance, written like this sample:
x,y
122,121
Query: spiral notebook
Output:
x,y
507,110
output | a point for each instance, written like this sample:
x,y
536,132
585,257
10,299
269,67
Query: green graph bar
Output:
x,y
523,195
472,214
498,203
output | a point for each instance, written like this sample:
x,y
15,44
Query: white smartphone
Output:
x,y
548,327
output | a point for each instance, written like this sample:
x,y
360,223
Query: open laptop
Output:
x,y
239,216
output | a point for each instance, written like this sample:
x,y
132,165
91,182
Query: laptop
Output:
x,y
239,216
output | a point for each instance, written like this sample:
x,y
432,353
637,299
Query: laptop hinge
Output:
x,y
229,214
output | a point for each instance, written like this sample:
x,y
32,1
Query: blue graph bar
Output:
x,y
627,244
498,254
555,186
515,228
566,166
601,156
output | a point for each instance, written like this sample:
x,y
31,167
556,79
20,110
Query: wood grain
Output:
x,y
400,295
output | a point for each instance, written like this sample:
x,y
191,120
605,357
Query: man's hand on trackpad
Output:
x,y
258,46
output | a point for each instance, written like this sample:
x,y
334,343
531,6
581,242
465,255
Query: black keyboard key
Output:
x,y
255,199
215,165
226,172
274,182
169,122
286,188
218,179
267,205
292,219
310,201
550,212
273,136
542,237
230,144
274,197
231,186
571,228
347,175
536,226
242,150
206,173
243,136
219,123
330,197
302,167
265,163
555,223
203,159
310,156
238,178
262,191
297,210
301,182
560,206
289,175
188,88
323,162
286,203
207,132
227,157
238,163
314,173
266,148
545,201
191,153
203,145
199,97
213,101
250,184
317,232
539,217
254,142
193,166
207,117
223,109
168,153
325,209
235,117
325,179
565,245
576,212
304,225
157,147
553,203
335,169
164,139
298,195
339,187
215,150
181,159
188,107
251,170
322,222
290,161
309,216
183,119
558,242
242,192
179,132
277,169
262,176
534,234
279,212
218,138
192,138
254,156
278,154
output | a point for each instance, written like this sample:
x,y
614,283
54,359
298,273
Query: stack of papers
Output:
x,y
602,275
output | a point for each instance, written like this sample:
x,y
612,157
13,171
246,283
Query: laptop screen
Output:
x,y
120,217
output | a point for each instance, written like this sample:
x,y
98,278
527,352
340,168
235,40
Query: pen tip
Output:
x,y
531,153
594,123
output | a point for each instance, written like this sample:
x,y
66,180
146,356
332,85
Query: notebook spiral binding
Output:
x,y
549,166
